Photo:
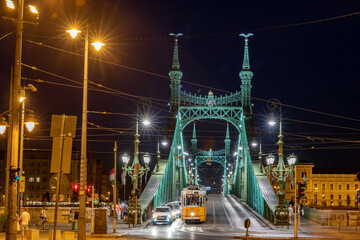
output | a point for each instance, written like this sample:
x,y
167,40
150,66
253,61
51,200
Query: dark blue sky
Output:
x,y
312,66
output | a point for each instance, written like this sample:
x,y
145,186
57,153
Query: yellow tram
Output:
x,y
193,204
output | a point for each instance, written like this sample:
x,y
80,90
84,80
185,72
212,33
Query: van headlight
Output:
x,y
169,216
155,216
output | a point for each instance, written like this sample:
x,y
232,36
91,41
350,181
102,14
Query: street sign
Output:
x,y
63,132
22,184
358,196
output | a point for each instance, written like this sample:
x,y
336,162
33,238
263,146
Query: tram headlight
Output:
x,y
192,214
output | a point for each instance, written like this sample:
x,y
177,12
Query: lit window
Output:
x,y
37,179
331,186
356,187
31,179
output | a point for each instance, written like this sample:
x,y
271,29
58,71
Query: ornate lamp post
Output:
x,y
135,171
280,172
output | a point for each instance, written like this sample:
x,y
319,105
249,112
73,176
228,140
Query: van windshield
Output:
x,y
162,210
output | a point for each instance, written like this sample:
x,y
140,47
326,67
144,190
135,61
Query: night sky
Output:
x,y
311,66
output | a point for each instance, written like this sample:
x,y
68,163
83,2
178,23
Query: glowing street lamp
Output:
x,y
73,32
83,162
97,45
3,125
10,4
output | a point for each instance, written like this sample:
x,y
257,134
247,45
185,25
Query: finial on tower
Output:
x,y
227,131
246,62
176,64
194,132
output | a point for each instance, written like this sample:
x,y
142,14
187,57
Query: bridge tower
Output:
x,y
246,76
194,141
227,157
175,75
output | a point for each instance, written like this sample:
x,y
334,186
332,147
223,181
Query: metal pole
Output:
x,y
59,174
8,151
114,190
83,162
21,152
11,216
295,219
135,164
92,209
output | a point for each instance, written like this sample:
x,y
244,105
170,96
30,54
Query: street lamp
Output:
x,y
83,162
3,125
135,171
280,172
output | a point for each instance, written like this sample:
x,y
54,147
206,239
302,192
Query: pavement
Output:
x,y
225,220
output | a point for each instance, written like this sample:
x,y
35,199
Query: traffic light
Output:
x,y
14,174
88,191
301,190
75,194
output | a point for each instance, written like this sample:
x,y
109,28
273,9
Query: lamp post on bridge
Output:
x,y
281,172
136,170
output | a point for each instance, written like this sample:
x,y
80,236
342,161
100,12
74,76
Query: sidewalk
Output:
x,y
44,234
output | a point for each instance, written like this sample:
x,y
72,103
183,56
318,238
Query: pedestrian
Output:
x,y
24,219
125,210
118,211
290,212
43,217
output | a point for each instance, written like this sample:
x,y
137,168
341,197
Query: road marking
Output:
x,y
227,215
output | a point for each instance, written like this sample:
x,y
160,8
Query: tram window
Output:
x,y
201,201
192,200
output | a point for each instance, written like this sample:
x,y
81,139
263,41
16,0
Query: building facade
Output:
x,y
40,183
324,187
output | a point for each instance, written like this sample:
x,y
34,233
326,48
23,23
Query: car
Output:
x,y
173,211
177,208
162,214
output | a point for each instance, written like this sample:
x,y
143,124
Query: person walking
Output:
x,y
43,216
125,211
118,211
291,212
24,219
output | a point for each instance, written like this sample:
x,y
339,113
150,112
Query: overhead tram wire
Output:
x,y
228,33
195,84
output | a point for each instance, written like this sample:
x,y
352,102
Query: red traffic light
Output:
x,y
76,187
88,189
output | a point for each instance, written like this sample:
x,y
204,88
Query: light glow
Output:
x,y
73,32
97,45
272,123
254,144
164,143
179,147
2,129
10,4
33,9
146,122
21,99
125,158
30,126
270,159
291,159
146,158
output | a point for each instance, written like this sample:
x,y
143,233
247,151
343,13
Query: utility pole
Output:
x,y
8,151
12,195
92,208
114,190
295,219
83,161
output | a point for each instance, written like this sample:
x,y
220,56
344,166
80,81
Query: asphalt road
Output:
x,y
224,217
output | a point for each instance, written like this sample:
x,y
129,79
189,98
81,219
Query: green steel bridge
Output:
x,y
246,180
